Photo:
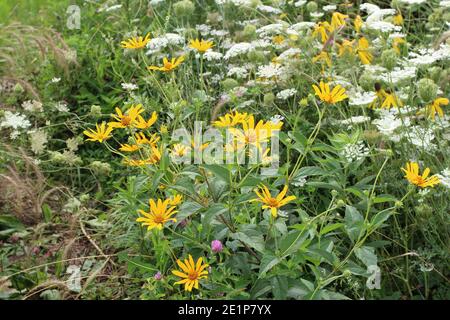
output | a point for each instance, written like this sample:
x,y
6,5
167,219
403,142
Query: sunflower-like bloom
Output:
x,y
168,65
323,56
180,150
143,124
191,273
398,19
338,20
254,134
141,138
363,51
330,96
230,120
128,119
322,29
129,148
358,23
154,157
136,42
176,200
413,176
346,47
272,203
102,133
390,100
160,213
435,107
201,45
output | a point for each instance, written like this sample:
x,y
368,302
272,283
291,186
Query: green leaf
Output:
x,y
330,227
219,171
367,256
253,240
354,222
292,242
212,212
47,212
268,261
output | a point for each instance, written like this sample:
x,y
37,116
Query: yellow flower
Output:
x,y
279,39
272,203
390,100
254,134
180,150
129,148
103,133
201,45
396,43
197,147
168,65
154,157
338,20
159,214
192,272
363,51
142,139
413,176
176,200
330,96
323,56
128,119
435,107
136,42
321,30
230,119
142,124
398,19
358,23
345,47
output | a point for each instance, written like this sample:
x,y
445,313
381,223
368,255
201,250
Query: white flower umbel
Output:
x,y
286,94
444,178
15,121
361,98
270,71
238,49
355,151
129,86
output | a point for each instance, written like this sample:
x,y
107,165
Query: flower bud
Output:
x,y
303,102
229,84
158,276
18,88
389,59
268,99
216,246
340,203
256,56
367,81
249,32
184,8
334,193
96,111
427,89
312,6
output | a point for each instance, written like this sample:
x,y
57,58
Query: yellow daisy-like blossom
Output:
x,y
346,47
254,134
142,139
435,107
160,213
230,120
180,150
129,148
396,44
322,29
168,65
398,19
141,123
330,96
191,273
272,203
176,200
279,39
323,56
201,45
363,51
102,133
413,176
136,42
153,158
390,100
358,23
128,119
338,20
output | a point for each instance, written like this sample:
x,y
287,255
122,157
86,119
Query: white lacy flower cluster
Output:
x,y
15,121
355,151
